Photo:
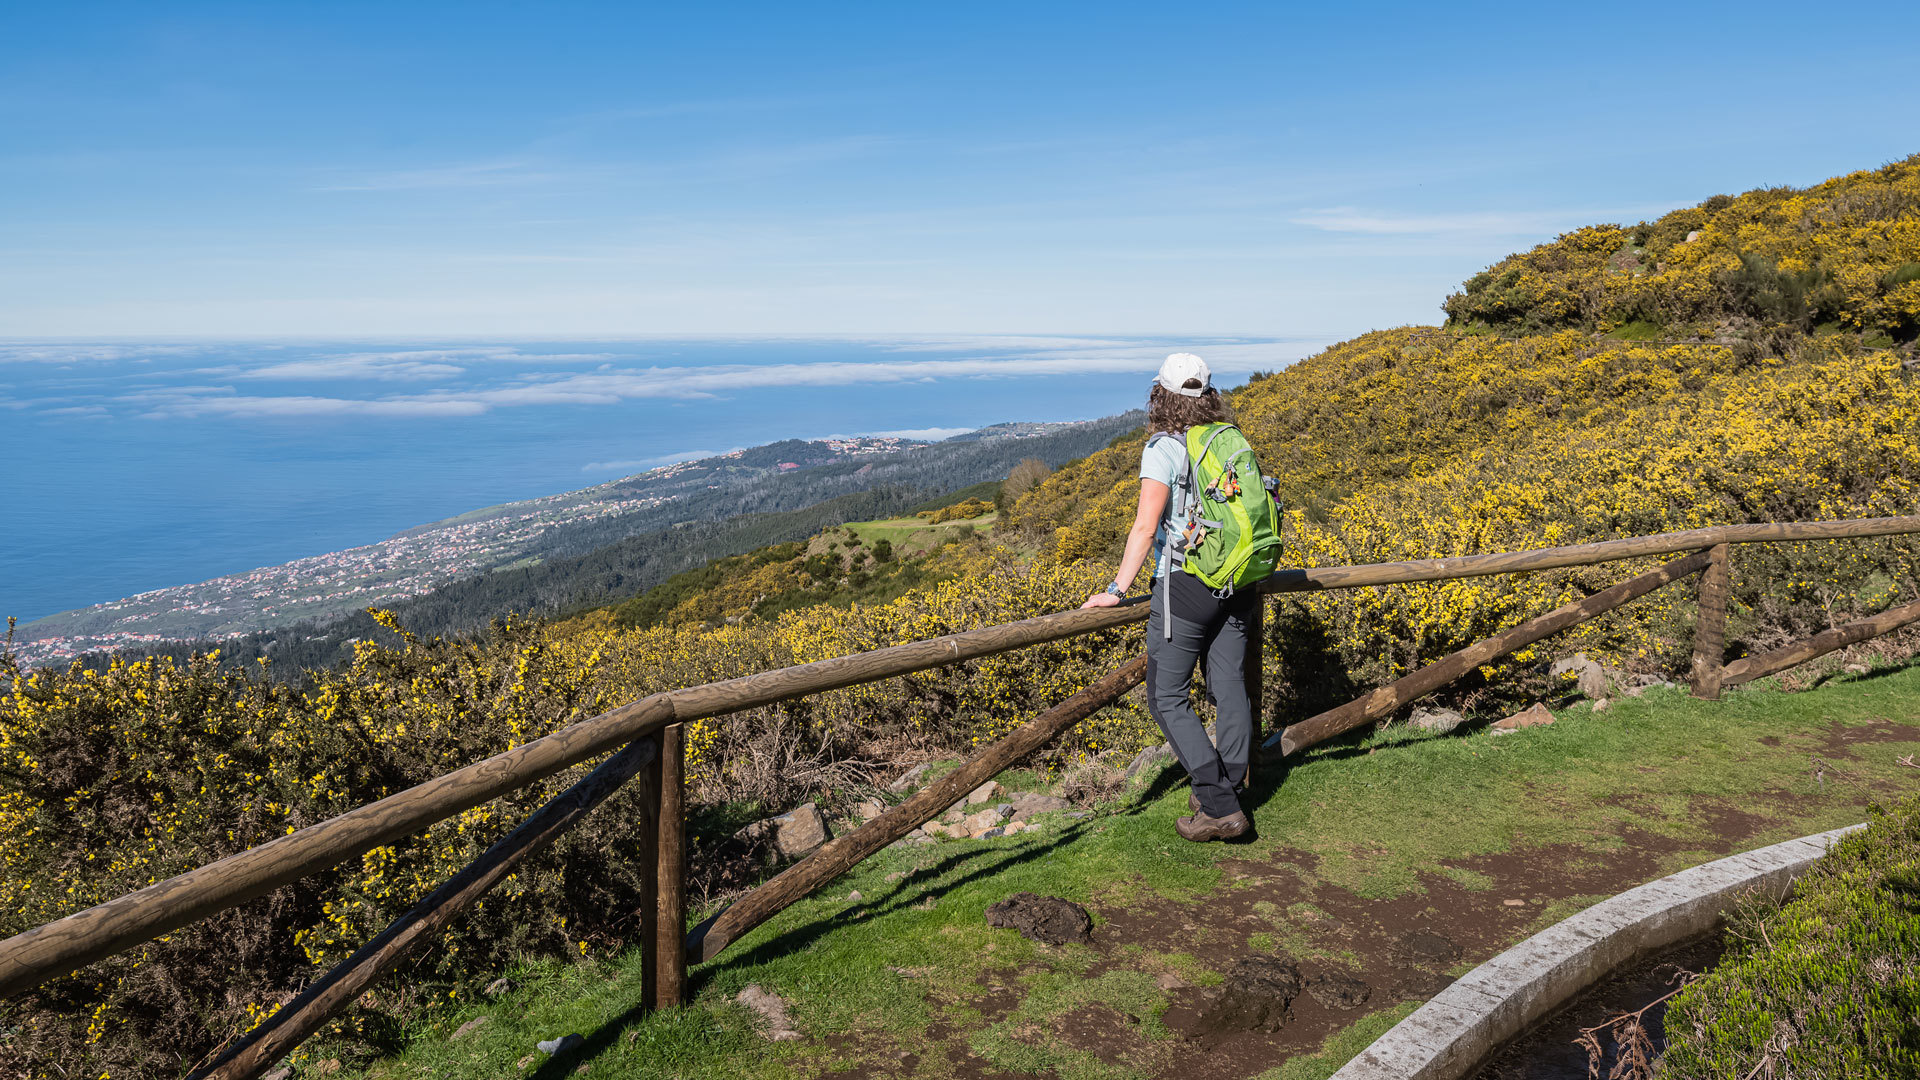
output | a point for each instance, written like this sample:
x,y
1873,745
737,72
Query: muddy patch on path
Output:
x,y
1843,739
1365,954
1344,956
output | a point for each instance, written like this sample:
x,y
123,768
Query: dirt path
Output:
x,y
1401,948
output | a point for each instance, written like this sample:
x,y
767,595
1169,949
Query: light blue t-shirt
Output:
x,y
1165,460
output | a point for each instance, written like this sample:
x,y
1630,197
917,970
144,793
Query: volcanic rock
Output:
x,y
795,833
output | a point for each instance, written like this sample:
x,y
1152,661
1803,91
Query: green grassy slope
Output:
x,y
1484,839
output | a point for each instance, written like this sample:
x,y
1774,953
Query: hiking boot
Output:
x,y
1200,828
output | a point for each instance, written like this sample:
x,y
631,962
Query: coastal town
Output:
x,y
406,565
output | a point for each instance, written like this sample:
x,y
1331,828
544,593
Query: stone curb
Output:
x,y
1451,1035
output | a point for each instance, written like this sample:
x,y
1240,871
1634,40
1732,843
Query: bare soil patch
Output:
x,y
1401,948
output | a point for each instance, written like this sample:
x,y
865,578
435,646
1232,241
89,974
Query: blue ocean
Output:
x,y
140,466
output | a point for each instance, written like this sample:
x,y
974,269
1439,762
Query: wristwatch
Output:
x,y
1116,589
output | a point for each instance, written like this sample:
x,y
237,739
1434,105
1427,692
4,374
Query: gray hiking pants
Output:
x,y
1213,631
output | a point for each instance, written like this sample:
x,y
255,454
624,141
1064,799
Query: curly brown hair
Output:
x,y
1174,413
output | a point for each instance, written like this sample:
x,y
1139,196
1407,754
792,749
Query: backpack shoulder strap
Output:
x,y
1183,479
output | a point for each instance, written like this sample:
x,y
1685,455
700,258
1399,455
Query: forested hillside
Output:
x,y
1617,381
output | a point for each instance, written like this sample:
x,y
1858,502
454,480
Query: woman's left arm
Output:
x,y
1146,522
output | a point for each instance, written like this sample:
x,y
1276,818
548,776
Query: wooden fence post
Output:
x,y
669,950
649,874
1710,628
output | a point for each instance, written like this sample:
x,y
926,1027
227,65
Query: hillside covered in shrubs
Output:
x,y
1614,382
1524,423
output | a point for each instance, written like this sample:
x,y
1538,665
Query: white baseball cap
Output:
x,y
1182,367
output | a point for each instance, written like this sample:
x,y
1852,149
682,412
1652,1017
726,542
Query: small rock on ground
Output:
x,y
1594,680
855,896
795,833
776,1025
982,793
1028,803
1046,919
1534,715
565,1044
1150,762
1650,682
911,778
472,1026
1440,721
980,822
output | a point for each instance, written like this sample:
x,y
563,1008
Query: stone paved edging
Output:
x,y
1455,1031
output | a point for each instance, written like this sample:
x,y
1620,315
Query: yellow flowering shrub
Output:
x,y
120,777
1844,254
1420,442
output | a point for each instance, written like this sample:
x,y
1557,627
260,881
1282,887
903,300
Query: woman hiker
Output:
x,y
1203,626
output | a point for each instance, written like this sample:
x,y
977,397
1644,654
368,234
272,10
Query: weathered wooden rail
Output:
x,y
648,734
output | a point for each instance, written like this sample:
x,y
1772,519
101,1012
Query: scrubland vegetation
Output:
x,y
1825,985
1618,381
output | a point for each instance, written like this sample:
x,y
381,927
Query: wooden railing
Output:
x,y
648,735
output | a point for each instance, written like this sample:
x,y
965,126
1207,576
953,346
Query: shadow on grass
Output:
x,y
986,861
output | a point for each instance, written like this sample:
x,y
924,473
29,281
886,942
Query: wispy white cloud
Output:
x,y
638,464
85,353
165,404
528,386
925,434
384,368
80,411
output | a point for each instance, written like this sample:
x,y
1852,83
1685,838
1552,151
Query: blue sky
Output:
x,y
550,170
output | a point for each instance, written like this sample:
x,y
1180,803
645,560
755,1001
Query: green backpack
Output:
x,y
1232,533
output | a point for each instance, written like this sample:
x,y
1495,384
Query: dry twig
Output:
x,y
1633,1047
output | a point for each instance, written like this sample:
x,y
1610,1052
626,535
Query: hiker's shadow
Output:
x,y
927,882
